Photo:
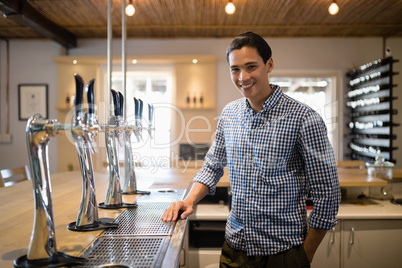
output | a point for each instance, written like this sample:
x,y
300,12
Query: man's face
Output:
x,y
249,74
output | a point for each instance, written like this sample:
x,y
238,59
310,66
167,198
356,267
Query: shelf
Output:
x,y
62,109
370,104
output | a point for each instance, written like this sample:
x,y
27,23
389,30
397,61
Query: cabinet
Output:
x,y
371,243
361,243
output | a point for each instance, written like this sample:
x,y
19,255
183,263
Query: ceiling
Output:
x,y
65,21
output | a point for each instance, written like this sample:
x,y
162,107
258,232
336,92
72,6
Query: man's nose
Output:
x,y
243,75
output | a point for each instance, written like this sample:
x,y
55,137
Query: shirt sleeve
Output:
x,y
215,160
322,175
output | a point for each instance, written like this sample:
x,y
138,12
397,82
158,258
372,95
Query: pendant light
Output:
x,y
333,9
230,8
130,10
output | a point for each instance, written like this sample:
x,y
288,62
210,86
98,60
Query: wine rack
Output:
x,y
370,111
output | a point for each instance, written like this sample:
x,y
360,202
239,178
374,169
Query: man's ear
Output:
x,y
270,65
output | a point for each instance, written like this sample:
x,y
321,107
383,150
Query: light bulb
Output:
x,y
333,9
130,10
230,8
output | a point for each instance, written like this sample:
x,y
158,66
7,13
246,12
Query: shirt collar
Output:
x,y
270,102
274,98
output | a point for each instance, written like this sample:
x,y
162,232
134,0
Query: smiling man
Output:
x,y
277,152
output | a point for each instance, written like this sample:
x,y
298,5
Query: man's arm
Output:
x,y
197,192
322,174
312,241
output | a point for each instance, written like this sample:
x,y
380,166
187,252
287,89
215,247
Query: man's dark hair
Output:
x,y
250,39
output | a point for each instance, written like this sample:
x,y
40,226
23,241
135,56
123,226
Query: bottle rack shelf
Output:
x,y
370,111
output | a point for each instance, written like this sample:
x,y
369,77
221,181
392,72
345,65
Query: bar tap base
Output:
x,y
122,205
137,192
100,225
63,260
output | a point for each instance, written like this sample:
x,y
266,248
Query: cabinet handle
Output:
x,y
333,236
352,236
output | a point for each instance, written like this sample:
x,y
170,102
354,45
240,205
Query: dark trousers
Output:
x,y
293,258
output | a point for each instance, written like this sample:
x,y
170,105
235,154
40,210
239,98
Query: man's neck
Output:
x,y
257,105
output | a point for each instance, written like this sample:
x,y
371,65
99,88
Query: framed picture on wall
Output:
x,y
32,99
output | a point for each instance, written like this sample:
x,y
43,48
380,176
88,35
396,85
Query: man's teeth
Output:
x,y
247,86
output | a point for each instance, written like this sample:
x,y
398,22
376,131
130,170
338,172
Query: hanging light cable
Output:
x,y
230,8
333,9
130,10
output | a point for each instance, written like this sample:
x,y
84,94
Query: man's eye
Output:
x,y
234,70
251,67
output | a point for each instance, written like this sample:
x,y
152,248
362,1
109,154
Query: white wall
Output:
x,y
31,62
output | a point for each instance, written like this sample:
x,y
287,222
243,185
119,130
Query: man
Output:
x,y
277,152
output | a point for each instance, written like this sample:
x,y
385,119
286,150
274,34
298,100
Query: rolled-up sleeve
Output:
x,y
321,172
215,160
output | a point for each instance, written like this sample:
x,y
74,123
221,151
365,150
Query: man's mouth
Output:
x,y
246,86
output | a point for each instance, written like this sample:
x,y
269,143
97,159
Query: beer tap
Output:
x,y
138,118
42,251
130,184
87,219
114,131
150,119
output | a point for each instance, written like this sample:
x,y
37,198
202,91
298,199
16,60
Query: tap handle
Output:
x,y
116,102
90,97
140,108
121,101
150,113
136,108
79,90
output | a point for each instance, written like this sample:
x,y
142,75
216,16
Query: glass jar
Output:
x,y
381,169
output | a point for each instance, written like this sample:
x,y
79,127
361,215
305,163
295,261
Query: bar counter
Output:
x,y
17,208
17,213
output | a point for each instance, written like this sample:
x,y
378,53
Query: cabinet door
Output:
x,y
372,243
329,252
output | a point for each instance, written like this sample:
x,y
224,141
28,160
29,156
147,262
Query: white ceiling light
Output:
x,y
130,10
333,9
230,8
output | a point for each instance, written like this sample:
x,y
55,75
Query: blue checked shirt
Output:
x,y
274,157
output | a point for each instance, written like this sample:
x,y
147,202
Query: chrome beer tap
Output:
x,y
115,131
138,118
130,184
42,249
150,119
87,219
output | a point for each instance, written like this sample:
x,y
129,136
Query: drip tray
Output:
x,y
146,219
126,252
141,239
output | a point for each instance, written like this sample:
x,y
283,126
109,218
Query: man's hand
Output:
x,y
312,241
179,209
185,208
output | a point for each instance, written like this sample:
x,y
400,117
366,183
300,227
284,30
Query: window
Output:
x,y
152,87
318,92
